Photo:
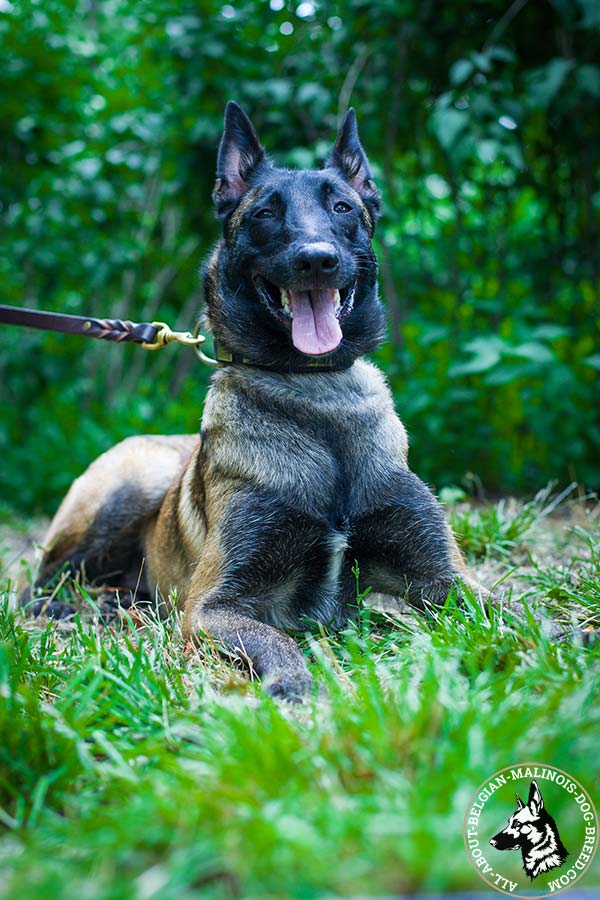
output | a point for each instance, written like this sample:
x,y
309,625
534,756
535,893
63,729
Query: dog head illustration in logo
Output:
x,y
533,831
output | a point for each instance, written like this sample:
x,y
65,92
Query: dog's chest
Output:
x,y
328,444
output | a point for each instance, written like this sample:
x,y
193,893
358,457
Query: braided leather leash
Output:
x,y
150,335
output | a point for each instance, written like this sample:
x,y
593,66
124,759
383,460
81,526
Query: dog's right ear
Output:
x,y
240,153
520,803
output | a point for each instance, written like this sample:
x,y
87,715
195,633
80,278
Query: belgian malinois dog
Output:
x,y
301,464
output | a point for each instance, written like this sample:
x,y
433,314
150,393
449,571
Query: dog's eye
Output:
x,y
264,214
341,207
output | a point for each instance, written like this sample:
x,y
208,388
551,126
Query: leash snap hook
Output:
x,y
165,335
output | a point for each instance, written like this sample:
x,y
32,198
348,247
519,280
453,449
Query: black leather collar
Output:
x,y
227,357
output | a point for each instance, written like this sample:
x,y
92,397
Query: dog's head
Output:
x,y
524,828
294,277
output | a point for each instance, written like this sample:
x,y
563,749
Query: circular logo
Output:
x,y
530,830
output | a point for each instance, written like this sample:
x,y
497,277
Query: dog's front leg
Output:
x,y
407,549
245,580
262,564
275,657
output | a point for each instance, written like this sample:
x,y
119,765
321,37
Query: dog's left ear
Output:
x,y
349,158
240,153
535,802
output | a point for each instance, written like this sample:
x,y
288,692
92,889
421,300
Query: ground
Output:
x,y
132,766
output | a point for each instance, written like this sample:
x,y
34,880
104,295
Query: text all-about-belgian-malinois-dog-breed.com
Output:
x,y
301,466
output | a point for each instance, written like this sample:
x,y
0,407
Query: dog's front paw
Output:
x,y
291,686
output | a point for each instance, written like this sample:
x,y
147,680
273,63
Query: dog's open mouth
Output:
x,y
313,315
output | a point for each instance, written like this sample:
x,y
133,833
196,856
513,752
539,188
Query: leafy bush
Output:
x,y
482,137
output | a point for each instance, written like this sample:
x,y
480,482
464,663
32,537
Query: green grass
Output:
x,y
132,767
498,529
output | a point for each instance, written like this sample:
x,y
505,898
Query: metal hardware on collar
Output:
x,y
165,335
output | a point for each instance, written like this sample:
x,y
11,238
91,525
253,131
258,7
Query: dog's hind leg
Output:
x,y
98,527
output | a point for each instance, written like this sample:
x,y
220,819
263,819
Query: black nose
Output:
x,y
316,259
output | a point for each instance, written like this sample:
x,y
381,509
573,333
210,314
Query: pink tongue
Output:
x,y
315,328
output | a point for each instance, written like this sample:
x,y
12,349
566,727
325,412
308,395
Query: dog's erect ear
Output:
x,y
349,158
535,802
519,802
240,153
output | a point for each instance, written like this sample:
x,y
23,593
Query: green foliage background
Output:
x,y
480,119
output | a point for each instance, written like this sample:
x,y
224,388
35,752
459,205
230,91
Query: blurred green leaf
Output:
x,y
588,79
486,353
448,124
534,351
543,84
593,361
461,71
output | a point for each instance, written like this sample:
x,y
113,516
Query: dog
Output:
x,y
533,831
301,466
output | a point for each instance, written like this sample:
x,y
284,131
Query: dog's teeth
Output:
x,y
336,300
285,303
